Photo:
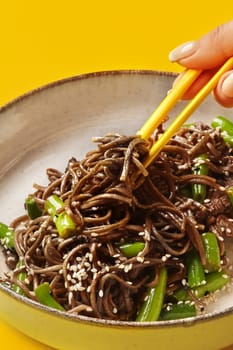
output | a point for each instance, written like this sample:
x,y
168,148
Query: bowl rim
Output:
x,y
190,321
86,319
84,76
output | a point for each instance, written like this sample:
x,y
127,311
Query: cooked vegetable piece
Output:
x,y
230,193
43,295
214,281
200,168
195,270
177,311
212,251
21,277
6,236
64,224
132,249
226,127
52,204
32,208
153,303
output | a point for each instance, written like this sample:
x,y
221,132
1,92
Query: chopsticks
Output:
x,y
157,117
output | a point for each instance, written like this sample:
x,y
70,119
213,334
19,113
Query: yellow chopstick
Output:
x,y
150,125
157,117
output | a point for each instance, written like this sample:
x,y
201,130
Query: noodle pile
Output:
x,y
113,200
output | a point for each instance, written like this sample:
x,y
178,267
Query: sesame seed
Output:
x,y
147,235
140,259
81,288
114,310
184,282
207,200
127,268
74,268
101,293
94,234
87,264
164,258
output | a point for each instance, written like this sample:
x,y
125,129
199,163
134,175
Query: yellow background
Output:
x,y
46,40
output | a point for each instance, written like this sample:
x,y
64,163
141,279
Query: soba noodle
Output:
x,y
88,273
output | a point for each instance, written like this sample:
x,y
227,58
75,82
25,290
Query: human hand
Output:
x,y
208,54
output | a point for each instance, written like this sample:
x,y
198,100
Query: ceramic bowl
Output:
x,y
44,128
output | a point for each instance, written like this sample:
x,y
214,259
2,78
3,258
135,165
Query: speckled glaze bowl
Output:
x,y
43,129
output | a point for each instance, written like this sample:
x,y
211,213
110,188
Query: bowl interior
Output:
x,y
46,127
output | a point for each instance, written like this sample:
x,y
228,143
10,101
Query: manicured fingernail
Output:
x,y
227,86
183,51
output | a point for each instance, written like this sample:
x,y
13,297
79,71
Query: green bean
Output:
x,y
52,204
21,277
32,208
177,311
131,249
43,295
230,194
153,303
181,294
7,236
226,127
200,168
214,281
195,270
64,224
212,251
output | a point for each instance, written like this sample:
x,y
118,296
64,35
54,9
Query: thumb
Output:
x,y
209,51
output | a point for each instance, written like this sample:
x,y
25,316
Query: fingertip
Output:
x,y
224,91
